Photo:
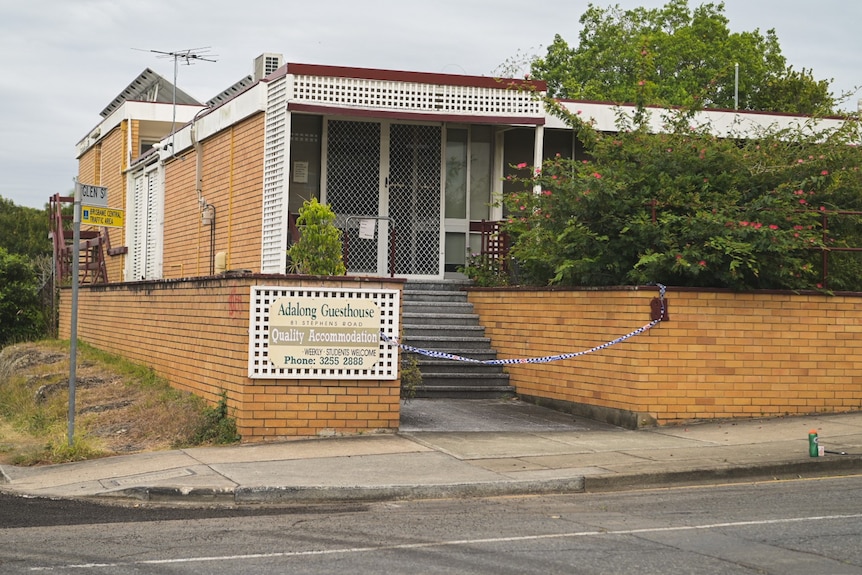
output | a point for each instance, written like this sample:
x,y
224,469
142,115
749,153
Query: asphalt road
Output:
x,y
787,528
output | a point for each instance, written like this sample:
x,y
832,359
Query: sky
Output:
x,y
63,61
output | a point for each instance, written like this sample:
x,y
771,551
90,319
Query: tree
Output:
x,y
687,208
674,56
24,230
20,311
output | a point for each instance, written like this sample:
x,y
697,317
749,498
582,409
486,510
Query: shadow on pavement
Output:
x,y
496,415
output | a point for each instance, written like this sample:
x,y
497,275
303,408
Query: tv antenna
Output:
x,y
187,57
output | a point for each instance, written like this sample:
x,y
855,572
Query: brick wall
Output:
x,y
195,334
232,176
720,355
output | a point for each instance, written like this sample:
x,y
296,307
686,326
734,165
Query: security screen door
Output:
x,y
391,172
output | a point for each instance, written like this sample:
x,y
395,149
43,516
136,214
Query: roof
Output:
x,y
232,91
150,87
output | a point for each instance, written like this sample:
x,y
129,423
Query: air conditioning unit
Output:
x,y
266,64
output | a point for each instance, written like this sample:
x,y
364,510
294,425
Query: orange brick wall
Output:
x,y
232,181
88,167
720,355
195,334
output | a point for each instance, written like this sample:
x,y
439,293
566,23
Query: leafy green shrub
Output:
x,y
687,208
217,426
319,249
411,377
485,271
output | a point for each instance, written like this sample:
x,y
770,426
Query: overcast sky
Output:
x,y
63,61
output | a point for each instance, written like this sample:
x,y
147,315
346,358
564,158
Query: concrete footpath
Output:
x,y
460,448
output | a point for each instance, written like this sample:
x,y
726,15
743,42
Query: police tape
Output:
x,y
545,359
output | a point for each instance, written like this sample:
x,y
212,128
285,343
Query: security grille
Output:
x,y
262,297
415,197
353,186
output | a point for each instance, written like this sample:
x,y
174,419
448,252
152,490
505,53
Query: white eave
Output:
x,y
214,120
132,110
722,123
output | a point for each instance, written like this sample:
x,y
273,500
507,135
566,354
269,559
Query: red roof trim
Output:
x,y
417,116
418,77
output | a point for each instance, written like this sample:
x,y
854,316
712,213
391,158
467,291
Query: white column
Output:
x,y
539,151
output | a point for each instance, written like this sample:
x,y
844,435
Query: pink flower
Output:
x,y
757,226
702,263
597,175
822,208
743,223
679,256
819,286
800,161
773,227
522,165
824,173
580,112
803,202
546,192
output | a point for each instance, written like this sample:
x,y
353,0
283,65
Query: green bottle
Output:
x,y
812,443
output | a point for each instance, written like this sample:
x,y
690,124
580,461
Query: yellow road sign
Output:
x,y
109,217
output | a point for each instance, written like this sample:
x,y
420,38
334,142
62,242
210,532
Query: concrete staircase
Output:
x,y
438,317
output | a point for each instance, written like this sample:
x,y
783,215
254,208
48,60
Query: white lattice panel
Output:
x,y
274,232
262,297
415,97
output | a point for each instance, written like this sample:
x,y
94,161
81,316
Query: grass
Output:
x,y
121,407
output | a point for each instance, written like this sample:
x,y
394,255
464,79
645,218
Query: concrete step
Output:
x,y
416,296
452,344
436,316
418,331
431,365
410,318
464,391
438,307
475,379
436,285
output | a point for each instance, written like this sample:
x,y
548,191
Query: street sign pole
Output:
x,y
73,324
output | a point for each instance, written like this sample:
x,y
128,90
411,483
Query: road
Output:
x,y
788,528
